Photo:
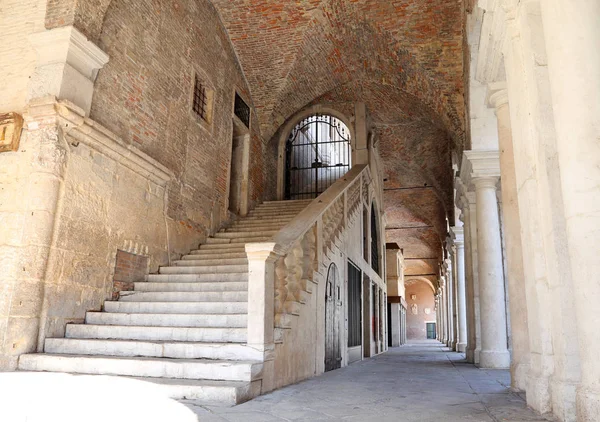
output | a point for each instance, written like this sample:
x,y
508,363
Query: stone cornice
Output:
x,y
83,130
68,45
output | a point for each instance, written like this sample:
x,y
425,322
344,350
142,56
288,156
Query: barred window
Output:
x,y
200,103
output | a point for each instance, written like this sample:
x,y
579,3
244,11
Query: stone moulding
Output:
x,y
88,132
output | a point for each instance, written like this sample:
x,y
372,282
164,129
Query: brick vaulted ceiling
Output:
x,y
403,58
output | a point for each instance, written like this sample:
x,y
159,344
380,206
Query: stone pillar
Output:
x,y
484,174
572,38
459,242
471,201
471,339
261,306
443,310
494,351
449,300
498,99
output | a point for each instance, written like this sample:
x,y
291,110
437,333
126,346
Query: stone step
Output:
x,y
221,286
205,269
188,278
212,254
196,369
237,239
274,213
265,227
258,225
267,218
168,320
287,201
226,247
197,261
245,235
158,349
177,307
128,332
184,296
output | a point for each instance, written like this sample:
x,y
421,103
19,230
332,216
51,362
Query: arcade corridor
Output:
x,y
421,382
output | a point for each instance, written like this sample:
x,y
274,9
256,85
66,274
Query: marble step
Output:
x,y
213,254
257,226
177,307
268,218
205,269
274,213
237,239
188,278
221,286
287,201
159,349
138,332
184,296
168,320
194,260
263,228
245,235
197,369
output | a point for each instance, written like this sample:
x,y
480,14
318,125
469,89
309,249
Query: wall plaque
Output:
x,y
10,131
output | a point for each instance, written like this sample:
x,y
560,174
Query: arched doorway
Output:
x,y
333,305
317,154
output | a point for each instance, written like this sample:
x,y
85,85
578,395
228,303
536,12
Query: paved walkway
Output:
x,y
417,382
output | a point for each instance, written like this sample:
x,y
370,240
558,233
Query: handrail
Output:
x,y
288,235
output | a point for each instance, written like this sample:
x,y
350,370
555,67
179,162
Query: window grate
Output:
x,y
241,110
200,104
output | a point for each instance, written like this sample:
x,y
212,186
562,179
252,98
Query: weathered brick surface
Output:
x,y
293,52
144,95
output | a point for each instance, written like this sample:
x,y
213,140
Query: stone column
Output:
x,y
444,332
471,339
498,99
494,351
459,242
572,38
483,172
471,201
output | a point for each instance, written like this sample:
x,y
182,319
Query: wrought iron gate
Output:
x,y
317,154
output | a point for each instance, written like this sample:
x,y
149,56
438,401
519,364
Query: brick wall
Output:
x,y
144,95
129,268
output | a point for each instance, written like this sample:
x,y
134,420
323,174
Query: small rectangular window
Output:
x,y
241,110
200,104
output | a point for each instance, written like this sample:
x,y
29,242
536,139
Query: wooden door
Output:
x,y
333,303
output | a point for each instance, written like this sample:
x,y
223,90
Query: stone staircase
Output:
x,y
185,328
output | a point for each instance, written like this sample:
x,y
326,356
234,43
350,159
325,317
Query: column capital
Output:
x,y
458,235
480,165
497,95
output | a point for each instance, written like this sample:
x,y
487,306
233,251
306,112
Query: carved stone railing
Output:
x,y
281,272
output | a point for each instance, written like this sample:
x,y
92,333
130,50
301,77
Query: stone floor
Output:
x,y
421,381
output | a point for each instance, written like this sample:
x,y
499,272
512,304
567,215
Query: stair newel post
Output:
x,y
261,305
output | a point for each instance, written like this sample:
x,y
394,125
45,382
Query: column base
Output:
x,y
518,376
564,399
494,359
470,354
461,347
476,356
588,405
538,393
453,345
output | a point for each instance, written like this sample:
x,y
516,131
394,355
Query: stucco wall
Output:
x,y
415,323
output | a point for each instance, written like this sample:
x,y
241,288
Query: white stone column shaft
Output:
x,y
572,39
512,235
461,298
494,352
